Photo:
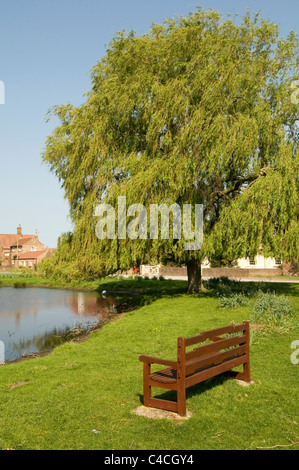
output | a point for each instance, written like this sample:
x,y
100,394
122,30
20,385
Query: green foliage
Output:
x,y
25,270
230,292
196,111
19,285
273,310
222,281
17,275
234,300
222,286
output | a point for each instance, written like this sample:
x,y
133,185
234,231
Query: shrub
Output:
x,y
234,300
273,310
222,286
215,282
19,285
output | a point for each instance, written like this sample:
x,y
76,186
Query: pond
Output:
x,y
35,320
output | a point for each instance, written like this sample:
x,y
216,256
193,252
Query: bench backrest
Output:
x,y
220,345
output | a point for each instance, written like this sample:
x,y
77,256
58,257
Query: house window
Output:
x,y
252,262
33,248
278,261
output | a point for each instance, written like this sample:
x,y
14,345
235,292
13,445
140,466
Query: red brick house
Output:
x,y
21,250
34,257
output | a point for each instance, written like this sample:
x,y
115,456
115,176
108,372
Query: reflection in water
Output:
x,y
82,304
33,320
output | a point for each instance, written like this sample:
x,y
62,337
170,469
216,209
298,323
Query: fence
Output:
x,y
150,271
232,273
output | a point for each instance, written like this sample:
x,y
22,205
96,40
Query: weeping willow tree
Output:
x,y
197,111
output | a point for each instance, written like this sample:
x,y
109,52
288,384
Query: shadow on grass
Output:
x,y
143,291
197,389
143,285
140,291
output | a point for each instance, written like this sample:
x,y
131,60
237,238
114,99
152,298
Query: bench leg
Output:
x,y
181,398
245,375
246,372
146,386
246,366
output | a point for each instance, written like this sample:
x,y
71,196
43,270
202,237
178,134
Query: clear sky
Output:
x,y
47,48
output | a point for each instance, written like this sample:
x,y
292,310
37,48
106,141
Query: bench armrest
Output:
x,y
155,360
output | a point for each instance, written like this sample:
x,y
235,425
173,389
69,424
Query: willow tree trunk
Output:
x,y
194,276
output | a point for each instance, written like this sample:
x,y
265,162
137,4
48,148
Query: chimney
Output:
x,y
19,230
36,234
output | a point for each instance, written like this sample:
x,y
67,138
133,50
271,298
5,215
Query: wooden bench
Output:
x,y
219,354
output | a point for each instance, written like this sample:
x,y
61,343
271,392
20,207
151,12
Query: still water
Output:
x,y
33,320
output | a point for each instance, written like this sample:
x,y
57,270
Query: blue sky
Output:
x,y
47,48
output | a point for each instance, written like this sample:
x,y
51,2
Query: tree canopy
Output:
x,y
196,111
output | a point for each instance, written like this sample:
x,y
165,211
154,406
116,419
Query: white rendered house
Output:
x,y
259,262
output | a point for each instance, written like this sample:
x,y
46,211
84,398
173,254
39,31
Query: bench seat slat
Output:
x,y
166,376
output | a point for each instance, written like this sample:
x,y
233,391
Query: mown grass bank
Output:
x,y
82,395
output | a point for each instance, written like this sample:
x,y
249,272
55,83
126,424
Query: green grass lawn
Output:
x,y
58,401
150,286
